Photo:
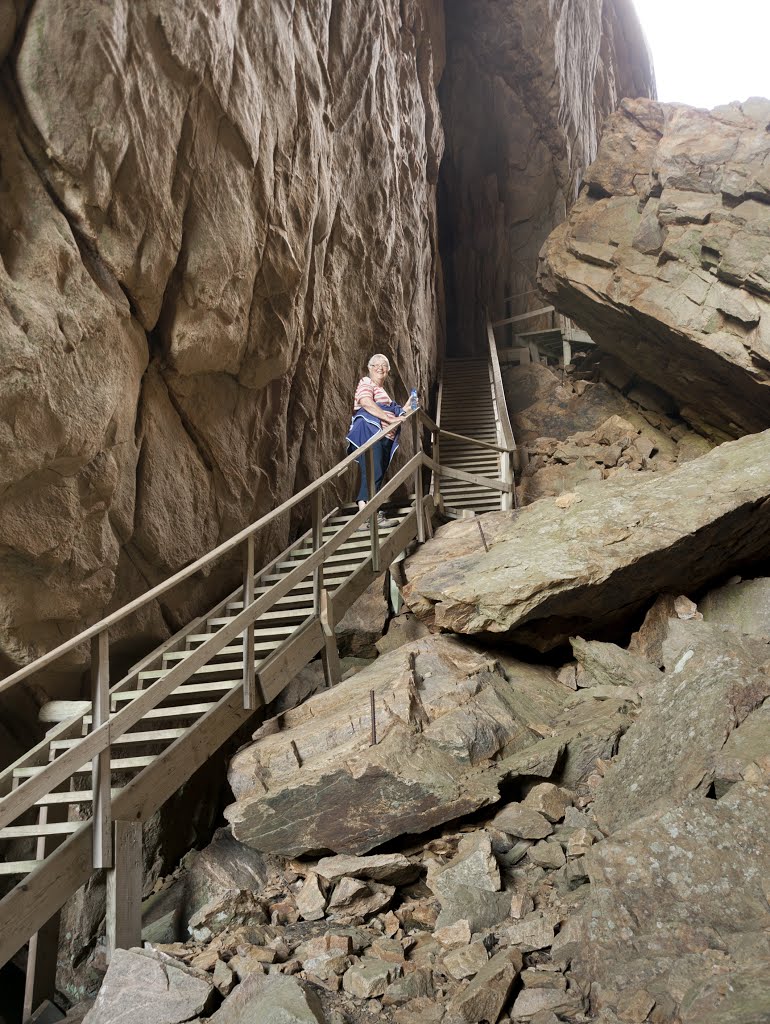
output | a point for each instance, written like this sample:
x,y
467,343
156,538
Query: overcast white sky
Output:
x,y
708,52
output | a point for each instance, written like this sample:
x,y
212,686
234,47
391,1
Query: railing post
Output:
x,y
330,657
316,514
100,766
323,606
436,453
124,889
374,527
249,666
506,468
418,492
42,952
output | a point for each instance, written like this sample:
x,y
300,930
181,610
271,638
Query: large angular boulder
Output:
x,y
222,866
278,999
715,677
553,571
678,898
450,725
665,258
146,987
442,711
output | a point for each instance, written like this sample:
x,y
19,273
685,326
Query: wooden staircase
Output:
x,y
467,408
75,802
477,444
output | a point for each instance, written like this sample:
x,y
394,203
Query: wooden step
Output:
x,y
492,471
232,650
156,736
293,599
177,711
262,631
491,461
474,506
212,668
72,796
468,496
18,867
59,828
116,764
220,686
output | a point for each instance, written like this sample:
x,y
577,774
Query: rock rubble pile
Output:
x,y
613,867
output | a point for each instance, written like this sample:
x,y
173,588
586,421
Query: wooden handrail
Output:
x,y
161,588
508,461
436,429
523,316
472,478
497,383
59,770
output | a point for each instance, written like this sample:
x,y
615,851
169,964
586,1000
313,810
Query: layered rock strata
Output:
x,y
590,560
665,258
450,725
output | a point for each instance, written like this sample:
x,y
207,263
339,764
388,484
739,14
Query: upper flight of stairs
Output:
x,y
467,406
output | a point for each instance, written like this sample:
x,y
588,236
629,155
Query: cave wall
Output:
x,y
211,214
527,86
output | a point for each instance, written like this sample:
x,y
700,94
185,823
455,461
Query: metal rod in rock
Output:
x,y
373,718
483,538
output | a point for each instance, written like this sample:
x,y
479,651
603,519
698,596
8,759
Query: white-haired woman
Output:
x,y
373,409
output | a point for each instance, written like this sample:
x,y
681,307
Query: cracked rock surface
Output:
x,y
555,569
665,258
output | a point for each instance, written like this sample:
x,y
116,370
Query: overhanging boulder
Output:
x,y
552,572
665,258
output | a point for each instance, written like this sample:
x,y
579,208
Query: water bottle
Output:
x,y
413,402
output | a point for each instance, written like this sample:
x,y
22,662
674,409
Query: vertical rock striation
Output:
x,y
211,215
526,89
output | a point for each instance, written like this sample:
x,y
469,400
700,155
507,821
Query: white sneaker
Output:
x,y
383,522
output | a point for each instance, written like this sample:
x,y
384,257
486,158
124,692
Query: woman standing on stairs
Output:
x,y
373,408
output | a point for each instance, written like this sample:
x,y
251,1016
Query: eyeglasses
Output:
x,y
380,366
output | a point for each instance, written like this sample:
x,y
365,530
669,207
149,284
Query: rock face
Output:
x,y
545,75
745,605
145,987
211,217
678,897
449,731
665,258
558,568
687,715
578,431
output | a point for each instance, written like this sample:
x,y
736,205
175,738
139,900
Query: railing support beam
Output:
x,y
100,766
316,515
419,503
330,657
250,701
43,949
124,889
436,452
374,527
